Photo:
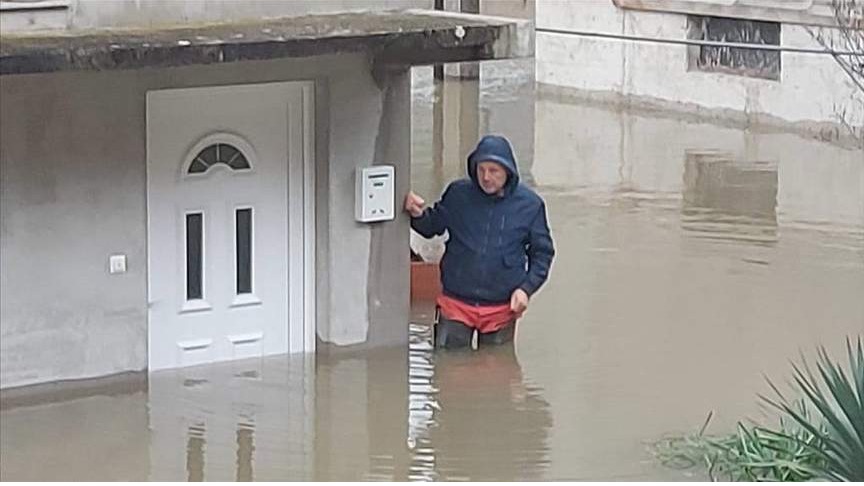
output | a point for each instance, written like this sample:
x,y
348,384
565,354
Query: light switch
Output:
x,y
117,263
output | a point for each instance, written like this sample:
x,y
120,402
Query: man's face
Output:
x,y
492,177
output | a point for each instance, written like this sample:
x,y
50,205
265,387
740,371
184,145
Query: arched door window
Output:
x,y
216,154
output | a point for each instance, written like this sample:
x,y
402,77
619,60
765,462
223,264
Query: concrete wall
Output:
x,y
85,14
72,192
517,9
811,91
369,127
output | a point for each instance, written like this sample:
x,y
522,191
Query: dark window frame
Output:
x,y
244,220
194,241
752,63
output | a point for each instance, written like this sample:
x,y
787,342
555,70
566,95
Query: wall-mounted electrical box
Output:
x,y
117,264
373,195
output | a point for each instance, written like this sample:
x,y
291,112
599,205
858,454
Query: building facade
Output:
x,y
182,192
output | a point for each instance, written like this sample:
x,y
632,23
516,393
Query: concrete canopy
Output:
x,y
406,37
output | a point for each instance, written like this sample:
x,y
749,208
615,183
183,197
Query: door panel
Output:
x,y
219,170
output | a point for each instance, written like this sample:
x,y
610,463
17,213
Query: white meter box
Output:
x,y
373,195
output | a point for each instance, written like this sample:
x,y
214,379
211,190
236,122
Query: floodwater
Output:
x,y
692,259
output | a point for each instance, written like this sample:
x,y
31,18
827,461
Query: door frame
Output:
x,y
302,301
306,337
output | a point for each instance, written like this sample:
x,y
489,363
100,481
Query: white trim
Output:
x,y
301,225
309,214
245,300
246,338
195,305
295,173
148,136
194,344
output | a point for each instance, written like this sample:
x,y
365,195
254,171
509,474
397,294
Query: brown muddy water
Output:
x,y
692,259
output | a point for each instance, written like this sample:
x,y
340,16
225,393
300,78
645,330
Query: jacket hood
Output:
x,y
494,148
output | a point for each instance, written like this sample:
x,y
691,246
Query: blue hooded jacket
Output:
x,y
498,243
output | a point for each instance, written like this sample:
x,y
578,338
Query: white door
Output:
x,y
228,254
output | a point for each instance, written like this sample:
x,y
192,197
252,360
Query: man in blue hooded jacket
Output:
x,y
499,251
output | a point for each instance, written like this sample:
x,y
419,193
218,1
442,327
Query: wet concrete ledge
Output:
x,y
404,37
60,391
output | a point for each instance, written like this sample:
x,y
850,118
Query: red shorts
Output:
x,y
484,318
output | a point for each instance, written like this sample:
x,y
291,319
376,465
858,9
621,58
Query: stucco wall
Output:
x,y
72,192
85,14
812,88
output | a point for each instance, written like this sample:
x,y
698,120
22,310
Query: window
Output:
x,y
758,63
194,256
34,15
243,225
218,153
14,5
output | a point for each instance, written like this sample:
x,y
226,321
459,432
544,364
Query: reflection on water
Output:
x,y
458,416
250,420
692,258
195,453
422,403
492,424
245,448
473,415
725,199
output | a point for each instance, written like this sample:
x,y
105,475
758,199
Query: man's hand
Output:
x,y
518,302
414,204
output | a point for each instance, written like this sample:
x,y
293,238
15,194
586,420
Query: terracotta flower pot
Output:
x,y
425,281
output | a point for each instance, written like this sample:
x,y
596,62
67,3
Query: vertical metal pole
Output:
x,y
438,118
438,69
469,93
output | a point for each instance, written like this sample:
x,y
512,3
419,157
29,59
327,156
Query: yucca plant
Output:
x,y
820,434
839,428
